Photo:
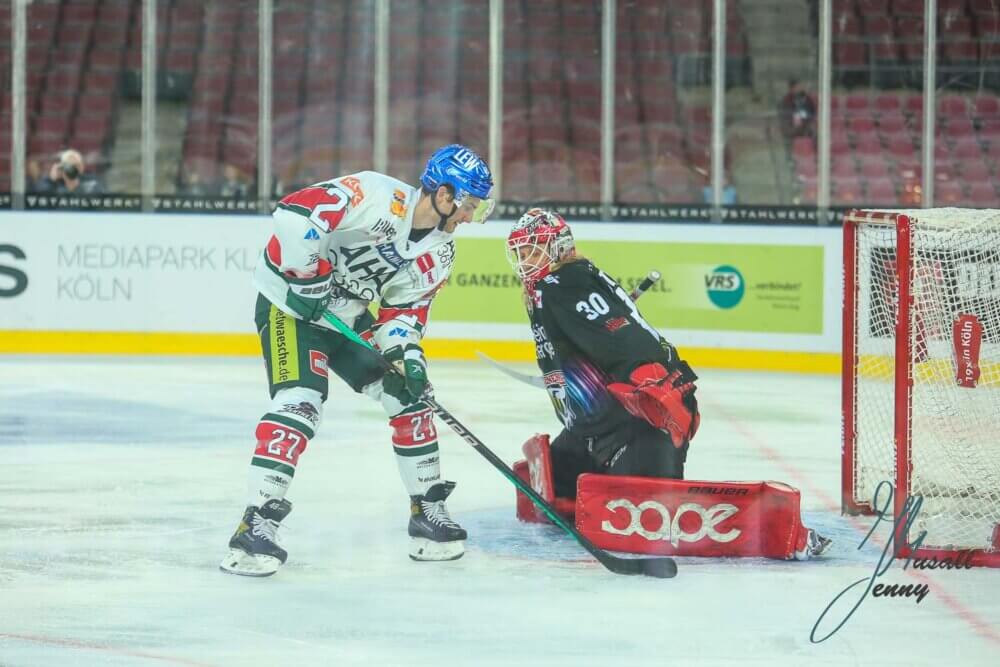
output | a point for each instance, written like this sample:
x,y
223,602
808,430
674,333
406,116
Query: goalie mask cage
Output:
x,y
921,373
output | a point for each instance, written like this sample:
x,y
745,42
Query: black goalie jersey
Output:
x,y
588,333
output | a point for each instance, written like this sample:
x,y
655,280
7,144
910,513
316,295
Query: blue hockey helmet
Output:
x,y
461,168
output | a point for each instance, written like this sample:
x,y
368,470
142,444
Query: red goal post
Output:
x,y
921,372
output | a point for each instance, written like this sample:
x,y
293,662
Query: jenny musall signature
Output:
x,y
893,547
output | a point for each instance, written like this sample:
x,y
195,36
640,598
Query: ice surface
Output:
x,y
123,479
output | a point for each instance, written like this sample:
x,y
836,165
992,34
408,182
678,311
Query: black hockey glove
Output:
x,y
407,386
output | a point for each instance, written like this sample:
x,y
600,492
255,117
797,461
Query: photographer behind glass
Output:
x,y
66,176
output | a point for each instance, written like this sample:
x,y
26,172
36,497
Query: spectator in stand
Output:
x,y
233,183
799,111
32,173
66,177
191,184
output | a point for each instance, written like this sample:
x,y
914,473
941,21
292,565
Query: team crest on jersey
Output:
x,y
388,252
615,323
398,205
536,298
354,185
311,235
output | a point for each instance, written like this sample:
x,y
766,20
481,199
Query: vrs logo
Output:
x,y
725,286
19,277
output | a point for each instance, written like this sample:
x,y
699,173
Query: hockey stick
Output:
x,y
662,567
537,381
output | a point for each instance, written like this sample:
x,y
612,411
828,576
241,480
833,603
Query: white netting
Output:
x,y
954,430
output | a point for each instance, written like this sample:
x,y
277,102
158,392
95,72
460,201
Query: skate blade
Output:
x,y
246,565
422,549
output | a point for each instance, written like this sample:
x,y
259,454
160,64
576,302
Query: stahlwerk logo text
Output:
x,y
670,529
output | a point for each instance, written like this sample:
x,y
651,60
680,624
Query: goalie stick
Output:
x,y
537,381
662,567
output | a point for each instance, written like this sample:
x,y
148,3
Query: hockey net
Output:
x,y
922,372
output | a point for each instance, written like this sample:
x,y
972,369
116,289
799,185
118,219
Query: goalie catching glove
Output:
x,y
409,384
661,399
309,297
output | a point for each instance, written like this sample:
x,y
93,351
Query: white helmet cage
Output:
x,y
548,239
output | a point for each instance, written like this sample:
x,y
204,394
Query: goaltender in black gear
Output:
x,y
625,398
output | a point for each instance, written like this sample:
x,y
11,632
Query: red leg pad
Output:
x,y
689,518
536,469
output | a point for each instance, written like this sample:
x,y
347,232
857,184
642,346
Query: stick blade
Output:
x,y
661,568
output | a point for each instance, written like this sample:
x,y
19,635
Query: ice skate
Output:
x,y
816,544
433,533
253,548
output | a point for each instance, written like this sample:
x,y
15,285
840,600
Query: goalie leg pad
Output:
x,y
539,469
690,518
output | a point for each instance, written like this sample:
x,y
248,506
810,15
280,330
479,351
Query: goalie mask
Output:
x,y
538,240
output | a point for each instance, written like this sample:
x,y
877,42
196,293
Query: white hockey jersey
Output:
x,y
359,224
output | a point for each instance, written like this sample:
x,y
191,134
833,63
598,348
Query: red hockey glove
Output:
x,y
654,397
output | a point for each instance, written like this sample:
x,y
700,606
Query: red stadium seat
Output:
x,y
960,127
885,103
948,193
914,7
874,167
982,195
892,123
975,171
986,106
900,147
868,145
868,7
882,191
967,148
953,105
861,125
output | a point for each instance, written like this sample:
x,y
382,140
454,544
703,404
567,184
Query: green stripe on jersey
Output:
x,y
277,466
288,421
416,451
295,208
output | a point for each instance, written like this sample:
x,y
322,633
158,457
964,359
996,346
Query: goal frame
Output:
x,y
902,384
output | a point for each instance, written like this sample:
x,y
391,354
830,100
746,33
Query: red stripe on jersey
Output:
x,y
274,252
387,314
413,430
280,443
333,201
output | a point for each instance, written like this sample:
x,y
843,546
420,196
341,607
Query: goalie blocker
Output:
x,y
647,515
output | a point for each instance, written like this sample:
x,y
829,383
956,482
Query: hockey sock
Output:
x,y
282,435
414,441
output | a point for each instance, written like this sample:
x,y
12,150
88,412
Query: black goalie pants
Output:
x,y
635,448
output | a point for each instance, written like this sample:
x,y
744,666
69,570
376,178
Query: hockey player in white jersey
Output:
x,y
339,246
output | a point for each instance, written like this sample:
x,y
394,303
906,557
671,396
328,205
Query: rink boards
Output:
x,y
733,296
